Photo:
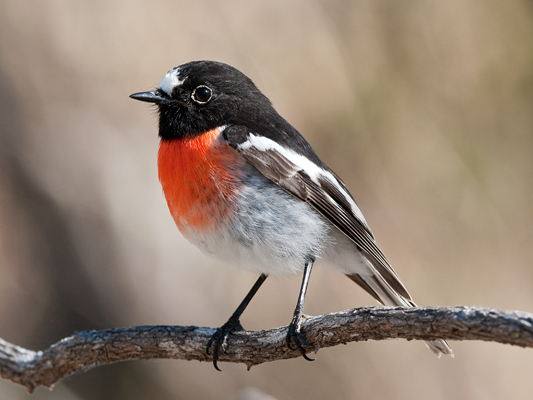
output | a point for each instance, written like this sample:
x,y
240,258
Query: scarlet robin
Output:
x,y
243,185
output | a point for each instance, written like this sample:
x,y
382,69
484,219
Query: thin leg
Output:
x,y
295,326
220,337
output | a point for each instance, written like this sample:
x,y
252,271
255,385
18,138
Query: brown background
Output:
x,y
425,108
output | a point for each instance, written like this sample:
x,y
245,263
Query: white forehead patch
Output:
x,y
170,81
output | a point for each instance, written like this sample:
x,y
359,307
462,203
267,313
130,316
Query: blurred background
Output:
x,y
424,108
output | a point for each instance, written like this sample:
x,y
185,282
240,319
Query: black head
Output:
x,y
202,95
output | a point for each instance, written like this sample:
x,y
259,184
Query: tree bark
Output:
x,y
86,350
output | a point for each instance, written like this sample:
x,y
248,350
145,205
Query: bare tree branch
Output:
x,y
86,350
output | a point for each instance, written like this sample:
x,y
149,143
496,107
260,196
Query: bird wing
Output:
x,y
318,186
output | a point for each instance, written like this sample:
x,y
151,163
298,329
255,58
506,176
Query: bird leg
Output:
x,y
220,337
294,334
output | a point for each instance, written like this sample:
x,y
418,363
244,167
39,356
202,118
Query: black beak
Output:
x,y
157,96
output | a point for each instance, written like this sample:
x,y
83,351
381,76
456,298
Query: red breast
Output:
x,y
200,177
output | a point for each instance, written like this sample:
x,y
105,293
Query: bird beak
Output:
x,y
157,96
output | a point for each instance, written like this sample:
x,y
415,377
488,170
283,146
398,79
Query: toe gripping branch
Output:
x,y
219,340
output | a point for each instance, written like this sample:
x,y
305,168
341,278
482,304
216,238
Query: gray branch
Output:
x,y
86,350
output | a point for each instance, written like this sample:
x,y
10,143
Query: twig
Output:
x,y
86,350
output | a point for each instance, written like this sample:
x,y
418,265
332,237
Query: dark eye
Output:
x,y
202,94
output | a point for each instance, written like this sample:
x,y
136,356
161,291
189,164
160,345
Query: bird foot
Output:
x,y
219,340
295,335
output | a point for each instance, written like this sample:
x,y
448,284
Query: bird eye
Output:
x,y
202,94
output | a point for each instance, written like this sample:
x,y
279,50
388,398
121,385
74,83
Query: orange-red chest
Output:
x,y
200,177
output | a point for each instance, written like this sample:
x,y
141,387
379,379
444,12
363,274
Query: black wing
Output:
x,y
321,188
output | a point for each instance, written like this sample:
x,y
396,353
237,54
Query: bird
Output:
x,y
244,186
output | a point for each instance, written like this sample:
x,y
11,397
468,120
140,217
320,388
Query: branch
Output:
x,y
86,350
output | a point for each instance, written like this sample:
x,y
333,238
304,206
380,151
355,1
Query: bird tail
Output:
x,y
389,290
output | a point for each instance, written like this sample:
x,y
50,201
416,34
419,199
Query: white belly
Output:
x,y
273,232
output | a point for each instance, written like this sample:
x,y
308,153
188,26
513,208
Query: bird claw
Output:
x,y
295,335
219,340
